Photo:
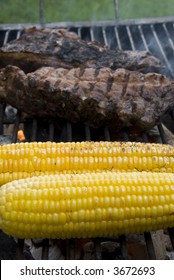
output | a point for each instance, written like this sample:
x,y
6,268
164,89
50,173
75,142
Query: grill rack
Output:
x,y
152,35
126,35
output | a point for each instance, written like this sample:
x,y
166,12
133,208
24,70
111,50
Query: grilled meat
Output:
x,y
118,99
59,48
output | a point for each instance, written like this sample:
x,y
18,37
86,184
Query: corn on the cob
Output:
x,y
87,205
24,160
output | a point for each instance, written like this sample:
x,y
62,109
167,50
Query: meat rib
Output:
x,y
98,97
60,48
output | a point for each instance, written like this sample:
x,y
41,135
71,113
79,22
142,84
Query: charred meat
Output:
x,y
60,48
98,97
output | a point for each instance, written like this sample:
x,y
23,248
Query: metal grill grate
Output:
x,y
155,37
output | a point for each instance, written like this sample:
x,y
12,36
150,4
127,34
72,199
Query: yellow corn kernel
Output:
x,y
87,204
22,160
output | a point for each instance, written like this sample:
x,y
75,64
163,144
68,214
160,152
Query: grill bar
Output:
x,y
161,49
168,36
45,249
51,131
2,109
150,246
34,130
70,249
16,128
123,246
117,38
162,134
171,234
116,6
18,34
143,38
87,133
6,37
97,249
105,37
20,249
130,38
41,6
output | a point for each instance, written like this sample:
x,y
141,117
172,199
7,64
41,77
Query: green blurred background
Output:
x,y
27,11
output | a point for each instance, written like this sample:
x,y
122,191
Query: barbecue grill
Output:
x,y
155,35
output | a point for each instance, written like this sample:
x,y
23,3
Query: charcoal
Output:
x,y
117,99
60,48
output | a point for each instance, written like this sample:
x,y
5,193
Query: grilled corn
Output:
x,y
87,205
24,160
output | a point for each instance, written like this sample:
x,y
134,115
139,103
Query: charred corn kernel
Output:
x,y
87,204
22,160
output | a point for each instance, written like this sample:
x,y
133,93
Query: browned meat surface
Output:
x,y
118,99
59,48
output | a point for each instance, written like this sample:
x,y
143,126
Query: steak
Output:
x,y
98,97
60,48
